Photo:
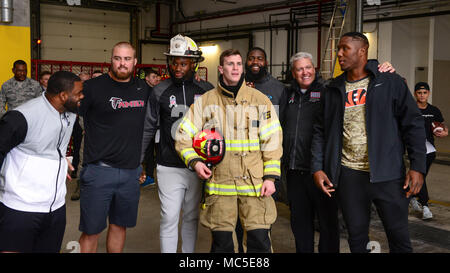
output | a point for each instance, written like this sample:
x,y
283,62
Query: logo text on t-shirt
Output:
x,y
118,103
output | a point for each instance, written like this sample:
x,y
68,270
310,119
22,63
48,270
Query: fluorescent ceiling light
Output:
x,y
208,48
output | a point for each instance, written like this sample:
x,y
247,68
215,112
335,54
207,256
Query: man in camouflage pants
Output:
x,y
18,89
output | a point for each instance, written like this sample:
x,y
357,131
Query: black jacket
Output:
x,y
299,114
393,121
274,90
166,106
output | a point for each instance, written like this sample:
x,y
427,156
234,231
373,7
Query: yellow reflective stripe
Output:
x,y
274,170
242,140
272,166
242,145
219,189
186,154
269,129
272,162
188,126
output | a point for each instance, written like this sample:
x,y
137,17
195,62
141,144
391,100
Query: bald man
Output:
x,y
113,111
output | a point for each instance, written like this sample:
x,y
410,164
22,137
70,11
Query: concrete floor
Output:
x,y
427,236
442,144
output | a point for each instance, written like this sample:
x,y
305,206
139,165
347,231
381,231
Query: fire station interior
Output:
x,y
77,35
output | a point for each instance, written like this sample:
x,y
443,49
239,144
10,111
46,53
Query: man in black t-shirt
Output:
x,y
113,111
430,114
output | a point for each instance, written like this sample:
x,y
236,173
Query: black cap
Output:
x,y
422,85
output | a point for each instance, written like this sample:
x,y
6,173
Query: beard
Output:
x,y
185,77
254,77
71,106
121,75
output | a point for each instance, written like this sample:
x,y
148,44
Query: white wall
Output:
x,y
441,74
371,32
410,39
308,41
81,34
154,53
384,41
442,38
279,38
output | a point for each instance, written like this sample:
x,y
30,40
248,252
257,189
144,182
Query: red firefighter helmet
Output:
x,y
210,145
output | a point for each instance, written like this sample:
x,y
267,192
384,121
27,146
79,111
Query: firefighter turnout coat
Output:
x,y
252,134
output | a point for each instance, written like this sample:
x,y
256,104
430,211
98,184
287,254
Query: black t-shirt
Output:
x,y
431,114
113,114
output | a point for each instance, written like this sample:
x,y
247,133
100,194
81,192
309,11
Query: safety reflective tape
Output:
x,y
242,145
189,127
188,154
272,162
269,129
218,189
242,140
274,170
272,166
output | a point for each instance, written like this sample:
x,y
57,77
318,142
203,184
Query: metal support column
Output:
x,y
359,15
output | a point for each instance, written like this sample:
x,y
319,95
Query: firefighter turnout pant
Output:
x,y
257,214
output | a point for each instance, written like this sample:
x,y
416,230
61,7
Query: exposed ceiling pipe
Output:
x,y
119,2
280,24
156,33
255,8
409,16
261,27
406,8
6,11
368,11
252,9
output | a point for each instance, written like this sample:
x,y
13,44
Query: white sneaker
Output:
x,y
426,213
415,205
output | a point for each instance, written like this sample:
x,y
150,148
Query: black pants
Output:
x,y
77,136
423,193
356,193
149,159
28,232
305,201
258,241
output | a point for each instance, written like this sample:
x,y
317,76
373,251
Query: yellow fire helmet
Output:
x,y
183,46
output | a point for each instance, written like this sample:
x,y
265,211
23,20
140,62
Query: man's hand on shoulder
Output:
x,y
386,67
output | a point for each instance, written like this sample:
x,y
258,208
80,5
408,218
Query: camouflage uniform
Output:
x,y
14,93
